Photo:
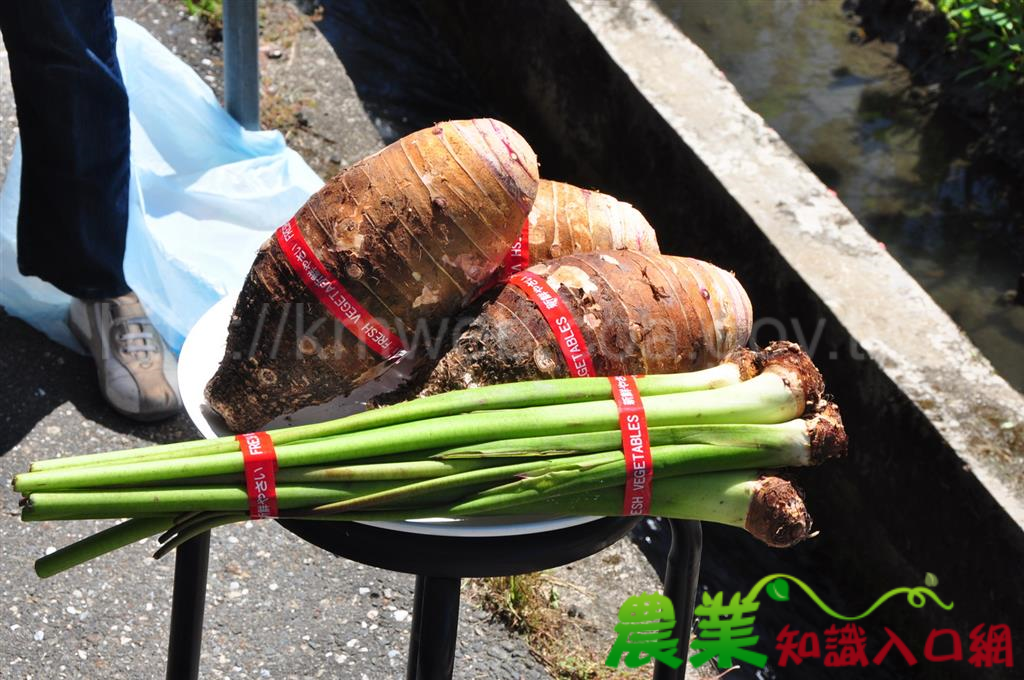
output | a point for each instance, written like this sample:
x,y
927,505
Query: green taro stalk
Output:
x,y
738,366
769,508
799,442
544,448
787,387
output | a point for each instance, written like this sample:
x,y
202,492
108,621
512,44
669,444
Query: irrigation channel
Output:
x,y
848,110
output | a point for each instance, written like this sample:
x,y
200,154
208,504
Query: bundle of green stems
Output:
x,y
518,450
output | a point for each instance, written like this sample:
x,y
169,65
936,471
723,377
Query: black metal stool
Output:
x,y
439,563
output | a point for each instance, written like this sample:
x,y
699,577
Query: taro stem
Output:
x,y
823,442
770,508
793,444
586,472
785,390
117,503
738,366
824,428
101,543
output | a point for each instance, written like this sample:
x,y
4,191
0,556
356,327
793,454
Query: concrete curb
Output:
x,y
901,328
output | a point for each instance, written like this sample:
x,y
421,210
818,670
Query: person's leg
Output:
x,y
73,117
73,220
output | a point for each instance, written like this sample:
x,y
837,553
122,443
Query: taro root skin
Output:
x,y
412,233
567,219
638,313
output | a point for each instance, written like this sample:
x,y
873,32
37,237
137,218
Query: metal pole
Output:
x,y
241,62
681,575
435,624
191,562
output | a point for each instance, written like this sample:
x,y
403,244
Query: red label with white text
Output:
x,y
516,260
334,296
636,445
260,473
558,316
518,257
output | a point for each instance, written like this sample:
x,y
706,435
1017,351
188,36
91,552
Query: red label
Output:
x,y
260,473
636,445
518,257
334,296
516,260
558,316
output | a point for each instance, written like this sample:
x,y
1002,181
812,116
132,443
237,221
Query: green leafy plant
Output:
x,y
211,14
993,32
207,9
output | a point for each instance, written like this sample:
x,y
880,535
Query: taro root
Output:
x,y
567,219
637,313
412,233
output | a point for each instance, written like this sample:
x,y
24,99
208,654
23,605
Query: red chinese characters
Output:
x,y
993,647
807,648
894,641
846,646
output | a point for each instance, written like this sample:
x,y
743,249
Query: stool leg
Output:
x,y
681,575
417,626
191,561
435,628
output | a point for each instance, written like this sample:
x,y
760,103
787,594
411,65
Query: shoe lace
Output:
x,y
139,341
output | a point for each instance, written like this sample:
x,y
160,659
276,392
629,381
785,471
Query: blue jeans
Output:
x,y
73,116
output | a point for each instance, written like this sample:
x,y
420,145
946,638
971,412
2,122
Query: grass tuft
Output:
x,y
528,605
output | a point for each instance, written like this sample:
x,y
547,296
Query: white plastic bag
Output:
x,y
204,194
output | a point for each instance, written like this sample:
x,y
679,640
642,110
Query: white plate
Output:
x,y
200,357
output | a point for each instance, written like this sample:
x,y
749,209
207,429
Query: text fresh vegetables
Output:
x,y
636,312
408,235
549,447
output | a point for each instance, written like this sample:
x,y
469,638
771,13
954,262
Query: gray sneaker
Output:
x,y
138,375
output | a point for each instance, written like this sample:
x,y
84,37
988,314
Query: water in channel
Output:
x,y
843,107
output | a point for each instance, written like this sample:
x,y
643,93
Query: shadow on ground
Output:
x,y
404,75
40,376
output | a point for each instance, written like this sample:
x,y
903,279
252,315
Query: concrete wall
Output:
x,y
611,95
